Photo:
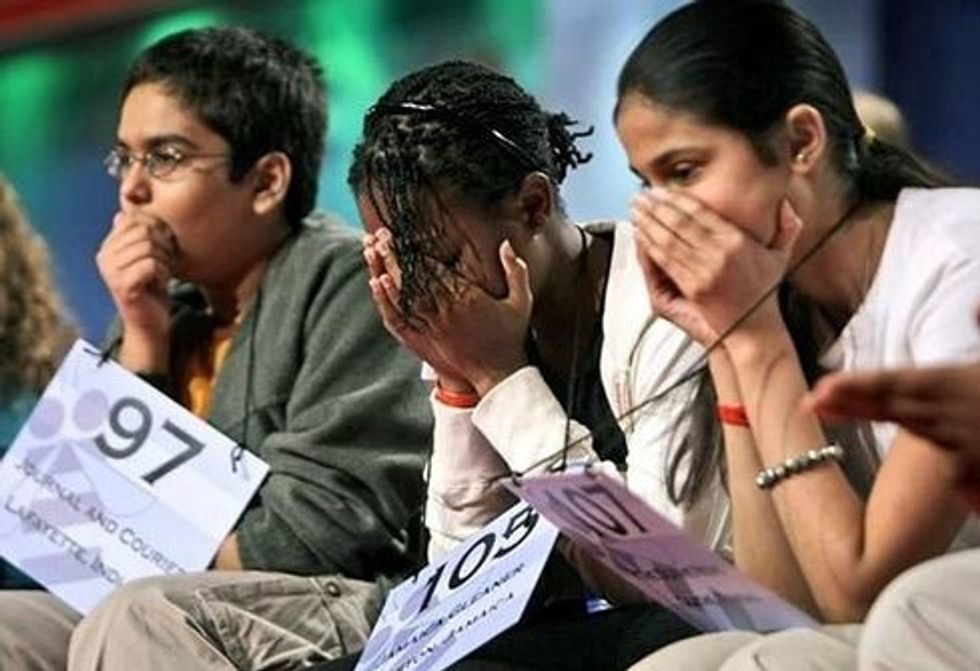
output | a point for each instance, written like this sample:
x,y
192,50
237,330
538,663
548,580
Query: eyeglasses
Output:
x,y
159,163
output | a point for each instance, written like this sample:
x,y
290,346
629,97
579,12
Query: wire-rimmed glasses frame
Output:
x,y
159,163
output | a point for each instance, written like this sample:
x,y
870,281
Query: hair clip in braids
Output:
x,y
409,107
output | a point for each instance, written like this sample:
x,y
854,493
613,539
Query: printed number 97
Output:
x,y
138,433
135,435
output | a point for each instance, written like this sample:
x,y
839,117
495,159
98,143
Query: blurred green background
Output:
x,y
59,99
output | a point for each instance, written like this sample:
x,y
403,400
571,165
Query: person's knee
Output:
x,y
925,620
34,631
899,608
814,649
134,605
699,653
764,653
932,577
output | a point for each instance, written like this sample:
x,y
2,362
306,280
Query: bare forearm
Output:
x,y
821,515
144,353
760,545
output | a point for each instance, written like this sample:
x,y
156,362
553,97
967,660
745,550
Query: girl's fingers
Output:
x,y
390,290
647,209
789,228
650,241
374,264
386,251
659,235
392,318
518,280
693,220
661,288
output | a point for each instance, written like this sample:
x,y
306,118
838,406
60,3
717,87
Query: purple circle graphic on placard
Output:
x,y
47,418
90,410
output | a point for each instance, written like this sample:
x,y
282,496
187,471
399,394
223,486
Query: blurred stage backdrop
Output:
x,y
62,61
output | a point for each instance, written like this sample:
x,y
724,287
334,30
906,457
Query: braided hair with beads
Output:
x,y
456,127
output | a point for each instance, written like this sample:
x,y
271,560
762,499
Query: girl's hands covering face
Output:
x,y
704,272
472,339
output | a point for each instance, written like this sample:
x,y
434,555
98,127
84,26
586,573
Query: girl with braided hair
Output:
x,y
538,331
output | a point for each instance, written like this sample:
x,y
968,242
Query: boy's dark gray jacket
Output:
x,y
334,406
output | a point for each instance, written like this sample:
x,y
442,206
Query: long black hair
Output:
x,y
742,64
457,128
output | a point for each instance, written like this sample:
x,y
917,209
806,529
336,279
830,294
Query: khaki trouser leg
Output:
x,y
700,653
929,618
828,648
34,631
223,621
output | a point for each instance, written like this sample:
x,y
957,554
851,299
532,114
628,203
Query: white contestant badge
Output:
x,y
451,607
109,480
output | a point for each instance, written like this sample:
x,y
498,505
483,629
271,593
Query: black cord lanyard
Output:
x,y
237,452
698,365
572,389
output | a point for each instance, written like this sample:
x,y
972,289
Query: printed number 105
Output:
x,y
519,527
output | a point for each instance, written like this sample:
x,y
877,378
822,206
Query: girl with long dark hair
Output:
x,y
738,118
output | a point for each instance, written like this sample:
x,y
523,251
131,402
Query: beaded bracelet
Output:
x,y
772,476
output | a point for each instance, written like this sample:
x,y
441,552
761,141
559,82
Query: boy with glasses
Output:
x,y
257,318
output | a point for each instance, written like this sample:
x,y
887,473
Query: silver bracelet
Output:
x,y
772,476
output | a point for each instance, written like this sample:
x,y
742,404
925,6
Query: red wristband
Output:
x,y
456,399
733,415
